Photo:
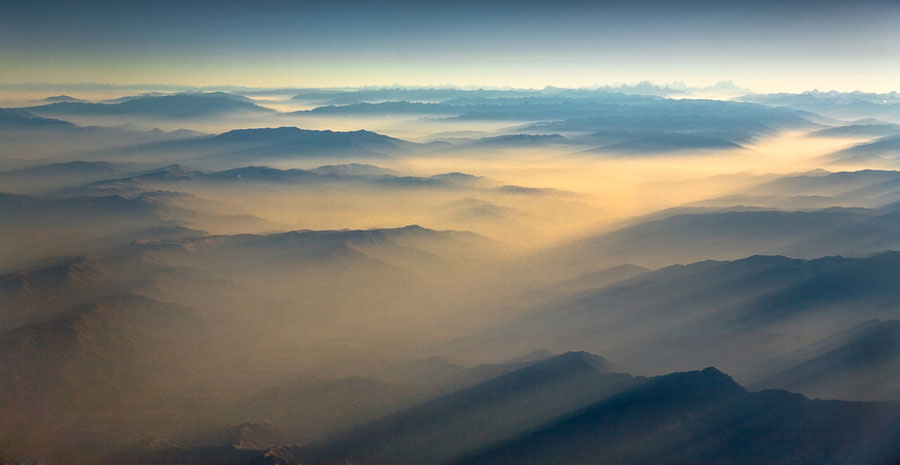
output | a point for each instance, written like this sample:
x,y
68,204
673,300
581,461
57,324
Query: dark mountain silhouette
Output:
x,y
704,417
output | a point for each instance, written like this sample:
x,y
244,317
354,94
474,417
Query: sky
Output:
x,y
788,46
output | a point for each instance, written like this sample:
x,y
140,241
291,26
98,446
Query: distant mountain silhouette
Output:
x,y
471,96
283,142
683,123
399,107
835,104
63,98
685,120
390,95
358,169
167,106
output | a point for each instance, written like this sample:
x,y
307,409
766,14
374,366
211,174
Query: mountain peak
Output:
x,y
703,386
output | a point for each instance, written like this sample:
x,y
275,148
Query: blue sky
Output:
x,y
767,46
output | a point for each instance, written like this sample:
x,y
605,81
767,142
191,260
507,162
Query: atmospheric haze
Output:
x,y
304,263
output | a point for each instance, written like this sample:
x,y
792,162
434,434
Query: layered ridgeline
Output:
x,y
584,122
267,144
154,339
116,203
184,105
746,316
255,295
573,409
705,417
851,213
853,364
27,136
842,105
